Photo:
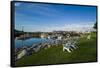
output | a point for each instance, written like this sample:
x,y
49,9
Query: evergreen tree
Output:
x,y
95,26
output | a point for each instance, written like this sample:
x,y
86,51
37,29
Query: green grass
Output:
x,y
55,55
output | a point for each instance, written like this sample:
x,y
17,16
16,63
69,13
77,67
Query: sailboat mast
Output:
x,y
23,36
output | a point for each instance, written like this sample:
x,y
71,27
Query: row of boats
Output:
x,y
68,45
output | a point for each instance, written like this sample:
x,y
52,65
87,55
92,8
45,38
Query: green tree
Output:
x,y
95,26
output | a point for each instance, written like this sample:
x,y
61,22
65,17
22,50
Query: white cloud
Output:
x,y
77,27
66,27
70,27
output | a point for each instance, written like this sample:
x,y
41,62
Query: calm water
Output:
x,y
29,42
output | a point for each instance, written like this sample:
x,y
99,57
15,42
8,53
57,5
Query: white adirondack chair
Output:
x,y
73,44
89,37
67,47
70,45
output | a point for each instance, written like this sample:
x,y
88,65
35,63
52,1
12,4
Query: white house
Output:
x,y
59,38
42,36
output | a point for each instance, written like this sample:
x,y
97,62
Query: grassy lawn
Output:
x,y
54,55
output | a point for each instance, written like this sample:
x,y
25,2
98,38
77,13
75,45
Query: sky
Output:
x,y
41,17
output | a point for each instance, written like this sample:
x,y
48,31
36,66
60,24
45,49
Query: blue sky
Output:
x,y
50,17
